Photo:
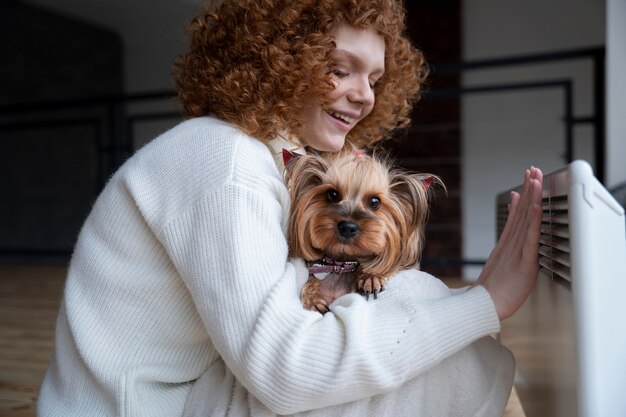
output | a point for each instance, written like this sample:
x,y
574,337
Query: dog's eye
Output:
x,y
332,195
373,203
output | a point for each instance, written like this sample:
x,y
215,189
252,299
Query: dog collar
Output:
x,y
322,268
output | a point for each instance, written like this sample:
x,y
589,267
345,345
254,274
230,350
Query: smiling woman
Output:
x,y
181,298
358,62
277,69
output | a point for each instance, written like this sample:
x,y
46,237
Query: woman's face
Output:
x,y
358,63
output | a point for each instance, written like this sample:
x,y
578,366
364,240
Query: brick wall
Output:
x,y
433,143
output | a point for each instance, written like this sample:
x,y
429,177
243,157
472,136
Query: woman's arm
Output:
x,y
231,251
229,248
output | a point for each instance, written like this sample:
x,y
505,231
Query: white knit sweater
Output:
x,y
180,299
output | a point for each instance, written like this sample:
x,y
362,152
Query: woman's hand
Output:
x,y
511,270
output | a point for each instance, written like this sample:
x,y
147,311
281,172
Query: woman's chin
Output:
x,y
333,144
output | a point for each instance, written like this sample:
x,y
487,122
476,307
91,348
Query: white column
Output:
x,y
615,92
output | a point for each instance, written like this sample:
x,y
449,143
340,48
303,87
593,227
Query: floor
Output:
x,y
546,362
29,300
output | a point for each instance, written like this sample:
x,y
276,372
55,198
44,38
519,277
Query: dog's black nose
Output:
x,y
347,230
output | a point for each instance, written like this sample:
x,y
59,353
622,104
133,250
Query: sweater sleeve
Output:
x,y
234,262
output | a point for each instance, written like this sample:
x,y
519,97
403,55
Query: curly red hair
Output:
x,y
254,63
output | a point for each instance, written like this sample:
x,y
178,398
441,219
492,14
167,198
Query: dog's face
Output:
x,y
352,206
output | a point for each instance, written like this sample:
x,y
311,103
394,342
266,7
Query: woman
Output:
x,y
180,299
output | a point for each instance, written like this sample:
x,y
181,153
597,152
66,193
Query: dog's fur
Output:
x,y
386,209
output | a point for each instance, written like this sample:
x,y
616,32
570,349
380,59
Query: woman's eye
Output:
x,y
373,203
332,196
340,73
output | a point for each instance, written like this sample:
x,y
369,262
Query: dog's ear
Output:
x,y
427,181
412,192
288,156
303,172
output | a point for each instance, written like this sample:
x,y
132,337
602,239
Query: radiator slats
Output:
x,y
560,230
558,217
554,241
554,249
555,254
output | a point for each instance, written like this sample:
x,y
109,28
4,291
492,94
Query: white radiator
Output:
x,y
569,338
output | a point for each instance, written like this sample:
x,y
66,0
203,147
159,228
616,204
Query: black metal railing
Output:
x,y
110,119
595,55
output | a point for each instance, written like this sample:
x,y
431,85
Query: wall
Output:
x,y
153,34
505,132
616,92
47,169
47,56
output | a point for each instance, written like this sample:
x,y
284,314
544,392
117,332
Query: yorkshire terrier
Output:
x,y
355,221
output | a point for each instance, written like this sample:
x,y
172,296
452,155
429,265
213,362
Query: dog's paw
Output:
x,y
320,305
315,304
370,285
312,299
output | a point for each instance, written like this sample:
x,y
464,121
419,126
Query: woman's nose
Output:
x,y
361,92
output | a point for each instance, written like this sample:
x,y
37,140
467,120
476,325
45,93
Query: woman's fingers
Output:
x,y
530,201
532,219
534,216
512,242
511,270
509,225
506,232
508,236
